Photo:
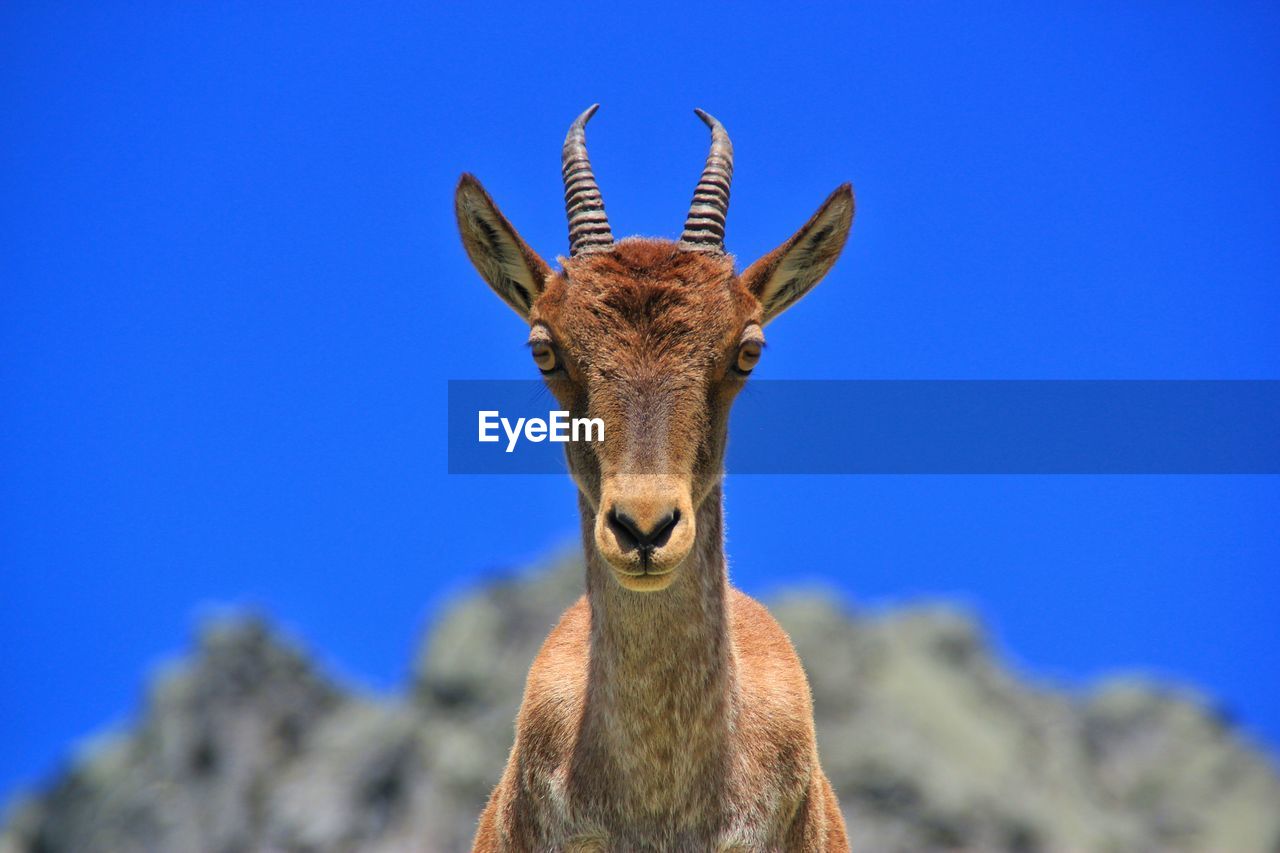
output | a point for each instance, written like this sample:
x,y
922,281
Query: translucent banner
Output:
x,y
915,427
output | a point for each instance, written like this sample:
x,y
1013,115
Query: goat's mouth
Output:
x,y
641,570
645,581
644,529
643,567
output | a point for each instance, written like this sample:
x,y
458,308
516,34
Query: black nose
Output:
x,y
631,536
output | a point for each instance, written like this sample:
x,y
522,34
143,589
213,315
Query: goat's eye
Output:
x,y
748,356
544,355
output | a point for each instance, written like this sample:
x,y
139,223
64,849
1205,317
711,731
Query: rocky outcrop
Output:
x,y
930,741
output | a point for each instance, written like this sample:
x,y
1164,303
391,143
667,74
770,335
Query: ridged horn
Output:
x,y
588,224
704,227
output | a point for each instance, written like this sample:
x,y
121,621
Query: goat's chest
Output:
x,y
687,807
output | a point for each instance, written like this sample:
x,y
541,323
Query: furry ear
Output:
x,y
512,269
789,271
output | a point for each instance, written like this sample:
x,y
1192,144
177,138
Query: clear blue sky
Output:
x,y
233,293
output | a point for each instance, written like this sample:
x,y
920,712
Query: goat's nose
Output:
x,y
634,534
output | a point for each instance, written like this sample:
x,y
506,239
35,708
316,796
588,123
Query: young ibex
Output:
x,y
667,710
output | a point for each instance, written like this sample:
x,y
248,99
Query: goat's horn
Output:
x,y
704,228
588,224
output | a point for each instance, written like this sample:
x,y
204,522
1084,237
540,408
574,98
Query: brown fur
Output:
x,y
666,711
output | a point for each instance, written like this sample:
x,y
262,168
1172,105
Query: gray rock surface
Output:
x,y
931,743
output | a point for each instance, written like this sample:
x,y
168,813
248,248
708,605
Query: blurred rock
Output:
x,y
931,743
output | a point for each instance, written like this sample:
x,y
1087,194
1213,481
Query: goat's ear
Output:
x,y
512,269
791,270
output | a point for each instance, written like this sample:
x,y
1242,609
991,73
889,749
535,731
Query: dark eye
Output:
x,y
544,355
748,356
